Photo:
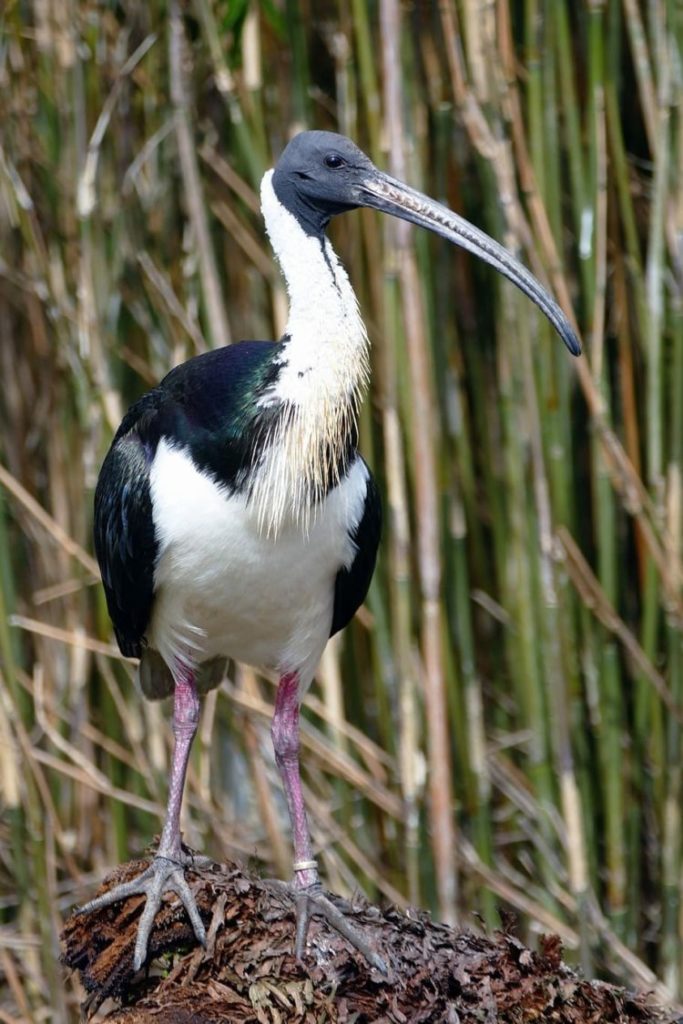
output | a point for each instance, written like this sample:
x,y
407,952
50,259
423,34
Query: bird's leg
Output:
x,y
185,722
167,870
285,734
310,898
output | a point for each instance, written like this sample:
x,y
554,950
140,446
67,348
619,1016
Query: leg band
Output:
x,y
304,865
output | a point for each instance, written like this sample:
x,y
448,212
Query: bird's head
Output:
x,y
321,174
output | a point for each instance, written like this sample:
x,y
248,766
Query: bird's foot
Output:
x,y
313,901
164,874
310,900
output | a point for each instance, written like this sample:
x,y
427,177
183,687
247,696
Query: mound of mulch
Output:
x,y
248,972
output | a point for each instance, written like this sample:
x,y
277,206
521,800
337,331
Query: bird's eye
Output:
x,y
334,161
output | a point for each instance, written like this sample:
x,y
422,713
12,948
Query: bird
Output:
x,y
234,515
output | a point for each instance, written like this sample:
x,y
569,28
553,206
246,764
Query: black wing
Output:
x,y
125,541
203,405
351,585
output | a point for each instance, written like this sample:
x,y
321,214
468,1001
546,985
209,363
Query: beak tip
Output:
x,y
574,345
568,334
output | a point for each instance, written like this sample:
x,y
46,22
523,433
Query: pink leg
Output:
x,y
285,734
167,870
308,892
185,721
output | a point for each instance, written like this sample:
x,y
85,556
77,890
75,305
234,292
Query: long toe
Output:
x,y
118,893
163,875
313,901
180,886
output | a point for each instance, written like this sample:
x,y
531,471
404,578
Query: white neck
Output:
x,y
324,362
326,339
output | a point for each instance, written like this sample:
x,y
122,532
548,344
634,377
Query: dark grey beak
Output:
x,y
381,192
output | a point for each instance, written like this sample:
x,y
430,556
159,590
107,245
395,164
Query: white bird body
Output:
x,y
223,587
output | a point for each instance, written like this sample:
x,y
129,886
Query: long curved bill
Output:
x,y
388,195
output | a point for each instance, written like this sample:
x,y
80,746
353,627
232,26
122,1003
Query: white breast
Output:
x,y
225,587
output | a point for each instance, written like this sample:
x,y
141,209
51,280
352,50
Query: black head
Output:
x,y
320,174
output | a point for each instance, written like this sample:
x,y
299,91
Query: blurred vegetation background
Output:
x,y
500,727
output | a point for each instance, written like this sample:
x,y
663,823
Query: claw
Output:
x,y
313,901
162,875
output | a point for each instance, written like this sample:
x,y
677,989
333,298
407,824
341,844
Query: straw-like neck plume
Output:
x,y
324,371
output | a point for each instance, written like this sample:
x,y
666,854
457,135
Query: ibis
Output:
x,y
234,515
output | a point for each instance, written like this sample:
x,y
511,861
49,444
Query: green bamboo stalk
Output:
x,y
298,48
574,146
368,75
556,683
14,701
649,722
217,321
609,697
402,690
619,166
472,777
672,837
535,93
671,960
518,585
480,813
424,469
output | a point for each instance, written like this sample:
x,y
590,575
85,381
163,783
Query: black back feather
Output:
x,y
351,585
203,405
125,541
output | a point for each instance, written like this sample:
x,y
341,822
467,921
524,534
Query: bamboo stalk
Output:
x,y
441,801
219,330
